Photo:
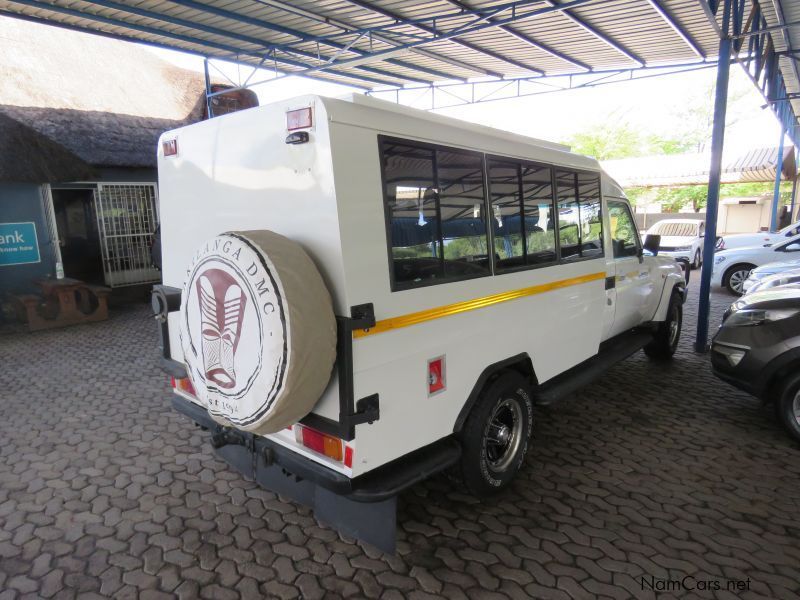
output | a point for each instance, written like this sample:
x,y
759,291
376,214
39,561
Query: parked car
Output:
x,y
681,238
386,293
732,267
757,349
745,240
772,275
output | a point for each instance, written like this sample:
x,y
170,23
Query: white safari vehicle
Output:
x,y
358,295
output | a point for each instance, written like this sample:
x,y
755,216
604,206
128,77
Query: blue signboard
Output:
x,y
18,244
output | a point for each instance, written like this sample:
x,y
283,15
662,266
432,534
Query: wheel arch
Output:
x,y
520,363
776,372
726,273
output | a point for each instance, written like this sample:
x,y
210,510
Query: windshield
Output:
x,y
790,230
667,228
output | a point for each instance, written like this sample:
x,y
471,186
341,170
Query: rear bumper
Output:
x,y
376,486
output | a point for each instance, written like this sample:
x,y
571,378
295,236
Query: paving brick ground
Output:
x,y
653,471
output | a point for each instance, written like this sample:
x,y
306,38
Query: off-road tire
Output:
x,y
787,405
505,400
730,279
668,334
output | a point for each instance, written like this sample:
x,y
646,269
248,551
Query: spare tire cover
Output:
x,y
257,330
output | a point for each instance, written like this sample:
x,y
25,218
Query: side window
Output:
x,y
591,220
793,247
522,215
569,219
436,222
580,223
462,206
624,239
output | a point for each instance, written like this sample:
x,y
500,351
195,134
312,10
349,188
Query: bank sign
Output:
x,y
18,244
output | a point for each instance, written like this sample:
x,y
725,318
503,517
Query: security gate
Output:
x,y
127,217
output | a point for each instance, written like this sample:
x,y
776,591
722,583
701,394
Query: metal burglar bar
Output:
x,y
127,219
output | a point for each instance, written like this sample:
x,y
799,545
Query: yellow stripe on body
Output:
x,y
459,307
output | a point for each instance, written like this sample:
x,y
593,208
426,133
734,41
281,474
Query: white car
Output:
x,y
773,275
746,240
681,238
732,267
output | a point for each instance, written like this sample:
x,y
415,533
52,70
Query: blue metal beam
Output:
x,y
232,35
430,30
596,32
776,194
232,50
221,12
437,36
530,40
677,28
714,179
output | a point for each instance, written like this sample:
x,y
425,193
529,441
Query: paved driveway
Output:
x,y
649,475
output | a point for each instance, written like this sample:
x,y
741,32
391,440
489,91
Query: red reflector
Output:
x,y
348,457
184,385
170,147
436,376
319,442
298,119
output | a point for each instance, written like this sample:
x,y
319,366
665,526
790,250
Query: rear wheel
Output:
x,y
668,333
495,436
787,405
735,277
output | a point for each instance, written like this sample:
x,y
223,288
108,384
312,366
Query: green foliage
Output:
x,y
674,198
606,142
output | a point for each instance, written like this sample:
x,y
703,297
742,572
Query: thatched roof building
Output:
x,y
102,100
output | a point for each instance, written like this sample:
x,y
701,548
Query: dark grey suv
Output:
x,y
757,349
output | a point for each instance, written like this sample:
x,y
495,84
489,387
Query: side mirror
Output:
x,y
652,243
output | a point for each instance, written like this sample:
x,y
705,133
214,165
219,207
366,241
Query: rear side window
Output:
x,y
435,211
522,214
579,217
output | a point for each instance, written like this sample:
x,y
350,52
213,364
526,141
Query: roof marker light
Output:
x,y
299,119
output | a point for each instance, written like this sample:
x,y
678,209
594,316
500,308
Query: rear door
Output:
x,y
632,280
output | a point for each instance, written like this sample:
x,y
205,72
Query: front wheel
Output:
x,y
735,277
698,261
787,406
665,341
495,436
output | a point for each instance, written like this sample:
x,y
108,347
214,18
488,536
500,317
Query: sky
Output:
x,y
653,105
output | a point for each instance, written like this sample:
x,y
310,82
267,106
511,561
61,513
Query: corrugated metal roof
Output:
x,y
517,39
757,165
391,43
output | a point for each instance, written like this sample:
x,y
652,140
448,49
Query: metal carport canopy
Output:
x,y
379,44
384,44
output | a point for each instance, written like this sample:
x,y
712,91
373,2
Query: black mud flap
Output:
x,y
364,508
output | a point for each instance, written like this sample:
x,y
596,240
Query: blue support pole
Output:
x,y
714,178
209,109
776,195
794,186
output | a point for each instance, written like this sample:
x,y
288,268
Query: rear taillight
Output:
x,y
319,442
184,385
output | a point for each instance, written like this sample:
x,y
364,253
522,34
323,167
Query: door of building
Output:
x,y
78,236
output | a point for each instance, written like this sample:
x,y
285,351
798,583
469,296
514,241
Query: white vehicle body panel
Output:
x,y
236,173
756,255
748,240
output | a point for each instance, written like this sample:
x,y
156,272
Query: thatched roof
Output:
x,y
27,156
105,100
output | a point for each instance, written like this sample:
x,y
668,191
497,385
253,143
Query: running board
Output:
x,y
611,352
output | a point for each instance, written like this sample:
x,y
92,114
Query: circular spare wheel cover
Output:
x,y
257,330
